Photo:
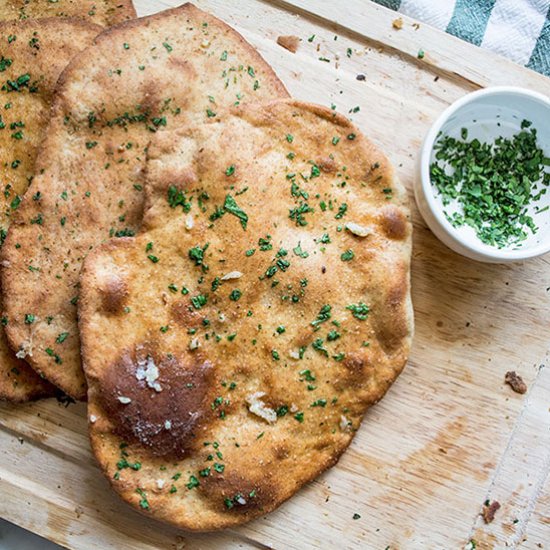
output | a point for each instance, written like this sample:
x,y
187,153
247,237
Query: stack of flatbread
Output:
x,y
222,271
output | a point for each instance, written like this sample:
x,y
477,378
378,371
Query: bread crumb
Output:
x,y
290,43
515,381
397,23
489,510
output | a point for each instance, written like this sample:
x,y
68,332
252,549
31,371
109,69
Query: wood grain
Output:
x,y
450,434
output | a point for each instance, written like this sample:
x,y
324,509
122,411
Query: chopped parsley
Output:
x,y
143,503
299,252
265,244
318,346
196,254
347,256
193,482
492,184
235,295
177,198
341,211
297,213
232,207
360,311
62,337
323,315
199,301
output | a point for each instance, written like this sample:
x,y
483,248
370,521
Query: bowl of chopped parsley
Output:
x,y
484,182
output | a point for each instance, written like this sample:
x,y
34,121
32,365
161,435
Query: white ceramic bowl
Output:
x,y
487,114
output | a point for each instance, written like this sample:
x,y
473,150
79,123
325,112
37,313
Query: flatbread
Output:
x,y
233,346
32,55
175,67
100,12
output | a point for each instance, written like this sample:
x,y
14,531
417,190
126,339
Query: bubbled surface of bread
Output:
x,y
179,66
233,346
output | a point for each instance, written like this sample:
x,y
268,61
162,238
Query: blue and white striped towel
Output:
x,y
517,29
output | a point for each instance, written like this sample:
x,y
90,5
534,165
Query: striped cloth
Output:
x,y
517,29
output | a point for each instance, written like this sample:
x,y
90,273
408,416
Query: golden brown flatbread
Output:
x,y
100,12
232,347
175,67
32,55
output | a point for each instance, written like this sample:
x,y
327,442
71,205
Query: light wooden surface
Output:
x,y
449,434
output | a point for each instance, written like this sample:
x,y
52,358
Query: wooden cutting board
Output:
x,y
450,434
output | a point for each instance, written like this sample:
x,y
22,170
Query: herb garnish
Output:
x,y
492,183
197,255
231,206
324,315
360,311
177,198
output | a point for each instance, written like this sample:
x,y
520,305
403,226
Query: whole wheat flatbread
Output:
x,y
159,72
100,12
32,55
232,347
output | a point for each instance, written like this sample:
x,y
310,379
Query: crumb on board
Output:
x,y
489,510
290,43
397,23
361,77
515,381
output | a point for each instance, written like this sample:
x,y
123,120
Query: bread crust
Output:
x,y
282,355
109,102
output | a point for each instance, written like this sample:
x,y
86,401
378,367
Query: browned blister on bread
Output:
x,y
263,307
179,66
99,12
33,54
